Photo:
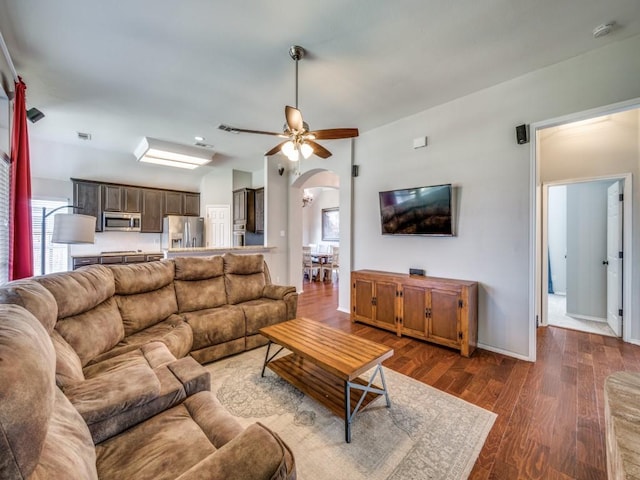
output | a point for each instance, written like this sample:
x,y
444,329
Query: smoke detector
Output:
x,y
603,29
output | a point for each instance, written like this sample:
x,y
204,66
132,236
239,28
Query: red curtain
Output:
x,y
20,235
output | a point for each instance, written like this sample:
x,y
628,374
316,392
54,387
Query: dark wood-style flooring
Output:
x,y
550,421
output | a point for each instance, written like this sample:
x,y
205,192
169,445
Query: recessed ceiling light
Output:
x,y
603,29
198,138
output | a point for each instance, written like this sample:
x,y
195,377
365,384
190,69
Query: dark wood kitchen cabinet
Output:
x,y
192,204
116,198
259,208
88,198
244,208
151,214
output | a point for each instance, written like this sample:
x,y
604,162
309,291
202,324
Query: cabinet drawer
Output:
x,y
111,260
81,262
135,258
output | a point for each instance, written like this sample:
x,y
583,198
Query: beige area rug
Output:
x,y
426,434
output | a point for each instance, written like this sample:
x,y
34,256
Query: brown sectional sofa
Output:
x,y
111,361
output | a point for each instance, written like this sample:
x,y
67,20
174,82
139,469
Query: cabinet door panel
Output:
x,y
414,305
173,203
385,305
87,196
112,198
192,204
362,300
151,216
444,322
131,199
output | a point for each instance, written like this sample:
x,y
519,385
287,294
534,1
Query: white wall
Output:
x,y
472,145
557,237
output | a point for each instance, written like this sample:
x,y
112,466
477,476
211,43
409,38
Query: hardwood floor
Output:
x,y
550,421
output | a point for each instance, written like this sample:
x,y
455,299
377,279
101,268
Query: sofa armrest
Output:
x,y
114,392
277,292
256,453
191,374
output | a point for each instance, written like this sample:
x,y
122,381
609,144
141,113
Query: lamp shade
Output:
x,y
73,228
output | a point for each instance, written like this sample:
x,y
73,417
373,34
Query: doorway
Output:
x,y
583,243
598,144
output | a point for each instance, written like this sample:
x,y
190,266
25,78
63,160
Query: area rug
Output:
x,y
426,434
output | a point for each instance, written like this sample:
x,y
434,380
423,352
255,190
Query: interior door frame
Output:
x,y
627,216
535,230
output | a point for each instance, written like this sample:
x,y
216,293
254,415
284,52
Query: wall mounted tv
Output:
x,y
417,211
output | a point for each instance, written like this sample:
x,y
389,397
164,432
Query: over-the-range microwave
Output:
x,y
120,222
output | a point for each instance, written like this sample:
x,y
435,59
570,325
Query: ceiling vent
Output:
x,y
84,136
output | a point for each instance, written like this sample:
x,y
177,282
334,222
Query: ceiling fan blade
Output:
x,y
334,133
318,149
228,128
294,119
275,149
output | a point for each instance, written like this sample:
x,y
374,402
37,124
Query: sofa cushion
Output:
x,y
173,332
142,277
243,264
93,332
191,436
262,313
142,310
35,298
121,389
68,365
200,294
27,390
198,268
68,450
79,291
216,325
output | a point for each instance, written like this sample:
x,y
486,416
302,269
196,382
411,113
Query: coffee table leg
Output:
x,y
347,412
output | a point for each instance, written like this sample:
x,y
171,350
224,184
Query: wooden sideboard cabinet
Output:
x,y
438,310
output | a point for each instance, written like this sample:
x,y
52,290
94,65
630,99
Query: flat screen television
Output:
x,y
417,211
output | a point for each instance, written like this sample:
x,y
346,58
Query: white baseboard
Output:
x,y
586,317
343,310
504,352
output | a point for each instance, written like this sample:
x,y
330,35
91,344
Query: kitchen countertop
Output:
x,y
117,254
202,251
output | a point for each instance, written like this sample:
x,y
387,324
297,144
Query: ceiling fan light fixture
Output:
x,y
289,149
306,150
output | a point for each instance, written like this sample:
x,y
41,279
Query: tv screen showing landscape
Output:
x,y
417,211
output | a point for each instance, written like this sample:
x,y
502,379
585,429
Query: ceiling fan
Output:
x,y
299,139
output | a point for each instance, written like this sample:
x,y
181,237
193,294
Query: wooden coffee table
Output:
x,y
325,363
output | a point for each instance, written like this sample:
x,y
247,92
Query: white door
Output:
x,y
218,228
614,262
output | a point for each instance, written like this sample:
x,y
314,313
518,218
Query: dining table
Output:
x,y
323,259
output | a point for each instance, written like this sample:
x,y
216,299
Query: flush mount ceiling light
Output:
x,y
604,29
169,154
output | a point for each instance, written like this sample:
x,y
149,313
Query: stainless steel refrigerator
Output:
x,y
182,232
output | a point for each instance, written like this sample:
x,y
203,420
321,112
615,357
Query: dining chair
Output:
x,y
334,264
308,265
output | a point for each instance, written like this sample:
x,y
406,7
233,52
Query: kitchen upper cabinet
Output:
x,y
259,208
151,214
87,196
192,204
116,198
173,203
244,208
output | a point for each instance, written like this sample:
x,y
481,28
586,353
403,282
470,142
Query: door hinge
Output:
x,y
460,335
621,197
460,304
620,312
619,254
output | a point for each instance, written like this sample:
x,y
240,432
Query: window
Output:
x,y
56,255
4,219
